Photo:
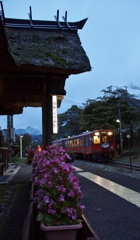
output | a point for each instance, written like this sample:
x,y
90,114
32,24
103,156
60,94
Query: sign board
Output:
x,y
128,136
54,112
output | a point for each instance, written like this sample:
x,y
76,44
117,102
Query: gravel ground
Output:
x,y
16,206
14,213
127,172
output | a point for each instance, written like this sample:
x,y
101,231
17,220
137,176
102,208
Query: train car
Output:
x,y
95,145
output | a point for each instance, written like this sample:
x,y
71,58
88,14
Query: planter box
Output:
x,y
32,228
63,232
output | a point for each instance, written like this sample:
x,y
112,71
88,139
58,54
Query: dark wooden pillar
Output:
x,y
47,114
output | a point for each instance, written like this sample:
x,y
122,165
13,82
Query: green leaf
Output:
x,y
65,221
57,205
39,217
50,218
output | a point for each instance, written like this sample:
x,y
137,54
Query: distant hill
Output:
x,y
29,130
135,103
37,138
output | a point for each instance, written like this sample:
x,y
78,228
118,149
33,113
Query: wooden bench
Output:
x,y
1,168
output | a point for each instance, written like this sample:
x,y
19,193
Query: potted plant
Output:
x,y
58,193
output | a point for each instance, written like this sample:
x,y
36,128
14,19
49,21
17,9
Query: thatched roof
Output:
x,y
47,49
33,51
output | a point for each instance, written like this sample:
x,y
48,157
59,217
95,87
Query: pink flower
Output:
x,y
60,188
46,199
61,198
59,191
55,170
51,211
71,193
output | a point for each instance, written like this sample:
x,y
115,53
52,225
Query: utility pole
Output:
x,y
120,127
10,130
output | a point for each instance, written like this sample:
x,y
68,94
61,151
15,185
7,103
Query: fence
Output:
x,y
5,157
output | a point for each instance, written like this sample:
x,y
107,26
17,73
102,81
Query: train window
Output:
x,y
78,142
88,142
111,138
81,142
96,139
67,143
75,143
71,143
104,139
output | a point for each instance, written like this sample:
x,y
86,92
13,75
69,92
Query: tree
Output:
x,y
69,122
103,112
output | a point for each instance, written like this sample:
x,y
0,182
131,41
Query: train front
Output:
x,y
103,144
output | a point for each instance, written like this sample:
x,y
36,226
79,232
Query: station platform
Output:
x,y
111,199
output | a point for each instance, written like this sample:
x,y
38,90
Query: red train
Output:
x,y
95,145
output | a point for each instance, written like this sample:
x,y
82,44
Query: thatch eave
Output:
x,y
50,50
45,70
35,54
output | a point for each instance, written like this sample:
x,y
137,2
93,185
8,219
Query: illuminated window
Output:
x,y
104,139
81,142
96,140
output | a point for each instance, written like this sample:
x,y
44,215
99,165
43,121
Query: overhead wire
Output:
x,y
80,100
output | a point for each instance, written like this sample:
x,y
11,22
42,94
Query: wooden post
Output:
x,y
47,114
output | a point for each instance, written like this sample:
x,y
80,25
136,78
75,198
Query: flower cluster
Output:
x,y
58,191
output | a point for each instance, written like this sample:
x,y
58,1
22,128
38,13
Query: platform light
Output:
x,y
120,130
54,113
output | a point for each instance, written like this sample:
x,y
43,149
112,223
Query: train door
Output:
x,y
108,144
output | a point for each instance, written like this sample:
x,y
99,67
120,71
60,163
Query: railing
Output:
x,y
5,157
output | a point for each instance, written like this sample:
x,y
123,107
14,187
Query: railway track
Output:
x,y
122,165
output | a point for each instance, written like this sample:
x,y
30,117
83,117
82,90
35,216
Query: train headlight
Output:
x,y
110,133
96,133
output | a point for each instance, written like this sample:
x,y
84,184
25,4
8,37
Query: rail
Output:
x,y
125,166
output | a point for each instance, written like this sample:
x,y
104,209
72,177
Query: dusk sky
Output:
x,y
110,38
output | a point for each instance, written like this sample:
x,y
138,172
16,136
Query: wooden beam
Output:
x,y
65,19
2,11
57,19
30,17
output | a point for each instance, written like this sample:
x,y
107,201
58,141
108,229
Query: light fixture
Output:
x,y
96,133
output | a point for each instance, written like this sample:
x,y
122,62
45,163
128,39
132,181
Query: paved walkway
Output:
x,y
125,193
13,173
